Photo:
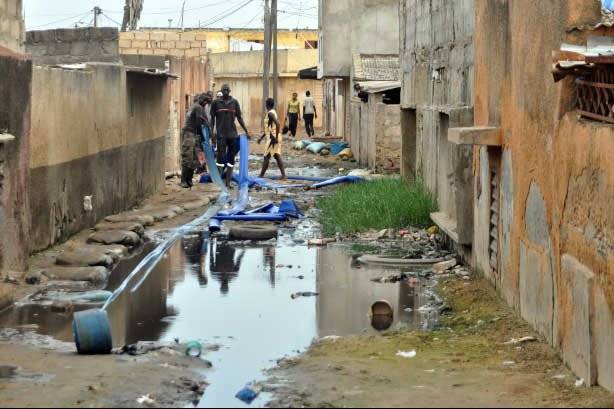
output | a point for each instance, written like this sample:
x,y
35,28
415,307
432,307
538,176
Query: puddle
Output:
x,y
239,296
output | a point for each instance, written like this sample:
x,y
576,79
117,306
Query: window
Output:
x,y
595,94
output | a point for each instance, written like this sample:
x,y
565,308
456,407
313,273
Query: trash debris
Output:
x,y
193,349
433,230
249,393
142,348
444,266
304,294
320,242
330,338
579,383
518,341
407,354
509,363
346,154
559,377
146,400
385,234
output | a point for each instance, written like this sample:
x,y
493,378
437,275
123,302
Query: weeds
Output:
x,y
380,204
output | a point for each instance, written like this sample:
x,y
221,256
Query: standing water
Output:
x,y
239,298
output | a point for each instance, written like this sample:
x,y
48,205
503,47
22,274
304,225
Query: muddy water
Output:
x,y
239,297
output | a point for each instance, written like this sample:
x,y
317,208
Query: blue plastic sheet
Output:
x,y
608,4
338,181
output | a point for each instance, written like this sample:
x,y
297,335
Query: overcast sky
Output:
x,y
46,14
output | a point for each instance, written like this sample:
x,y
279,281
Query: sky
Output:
x,y
45,14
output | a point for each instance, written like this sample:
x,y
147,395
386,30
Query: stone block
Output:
x,y
603,333
192,53
171,37
187,37
167,44
537,290
125,43
200,37
160,51
575,325
140,44
156,36
146,51
177,53
128,35
130,51
141,35
182,45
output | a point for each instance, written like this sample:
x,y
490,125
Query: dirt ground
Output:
x,y
464,364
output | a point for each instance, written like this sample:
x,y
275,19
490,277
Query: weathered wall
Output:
x,y
11,25
376,134
437,75
556,228
71,46
103,140
178,43
348,27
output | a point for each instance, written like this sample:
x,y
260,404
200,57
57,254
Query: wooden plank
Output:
x,y
447,225
477,135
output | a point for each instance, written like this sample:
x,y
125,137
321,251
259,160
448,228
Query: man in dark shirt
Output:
x,y
192,134
224,112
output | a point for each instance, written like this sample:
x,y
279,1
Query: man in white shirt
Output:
x,y
309,113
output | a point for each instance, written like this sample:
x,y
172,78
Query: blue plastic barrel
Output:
x,y
92,332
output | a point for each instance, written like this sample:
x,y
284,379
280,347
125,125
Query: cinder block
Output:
x,y
141,35
125,43
171,37
195,44
200,37
177,52
167,44
128,35
140,44
182,45
130,51
145,51
537,289
575,329
603,333
158,36
187,36
160,51
192,53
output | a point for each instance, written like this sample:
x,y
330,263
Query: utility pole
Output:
x,y
170,23
275,65
267,56
97,12
182,13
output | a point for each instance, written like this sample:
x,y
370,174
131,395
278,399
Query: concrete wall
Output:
x,y
71,46
349,27
437,62
543,231
155,40
376,134
11,25
104,140
243,72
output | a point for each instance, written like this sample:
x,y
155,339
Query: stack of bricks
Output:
x,y
176,44
11,25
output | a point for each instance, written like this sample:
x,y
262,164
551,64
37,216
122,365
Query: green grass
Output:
x,y
382,204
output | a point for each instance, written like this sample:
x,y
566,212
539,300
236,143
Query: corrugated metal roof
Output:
x,y
375,87
377,67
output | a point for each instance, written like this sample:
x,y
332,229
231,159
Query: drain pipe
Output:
x,y
92,328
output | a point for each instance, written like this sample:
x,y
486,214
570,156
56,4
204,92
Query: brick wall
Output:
x,y
71,46
11,25
189,45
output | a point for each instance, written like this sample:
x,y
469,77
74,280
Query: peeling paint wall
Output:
x,y
556,227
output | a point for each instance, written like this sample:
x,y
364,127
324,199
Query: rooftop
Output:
x,y
377,67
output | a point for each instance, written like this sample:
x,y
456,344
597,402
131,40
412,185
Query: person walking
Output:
x,y
274,139
294,114
309,113
224,112
192,135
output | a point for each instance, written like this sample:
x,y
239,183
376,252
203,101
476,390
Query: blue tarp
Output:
x,y
608,4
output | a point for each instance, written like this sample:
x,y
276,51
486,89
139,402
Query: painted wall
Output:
x,y
103,140
11,25
543,225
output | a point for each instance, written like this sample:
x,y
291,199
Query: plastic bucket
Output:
x,y
92,332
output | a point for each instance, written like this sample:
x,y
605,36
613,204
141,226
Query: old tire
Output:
x,y
253,232
92,332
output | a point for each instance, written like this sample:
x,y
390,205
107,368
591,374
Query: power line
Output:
x,y
77,17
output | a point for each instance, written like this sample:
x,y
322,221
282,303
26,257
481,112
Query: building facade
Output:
x,y
510,142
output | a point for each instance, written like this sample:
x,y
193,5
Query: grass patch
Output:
x,y
381,204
